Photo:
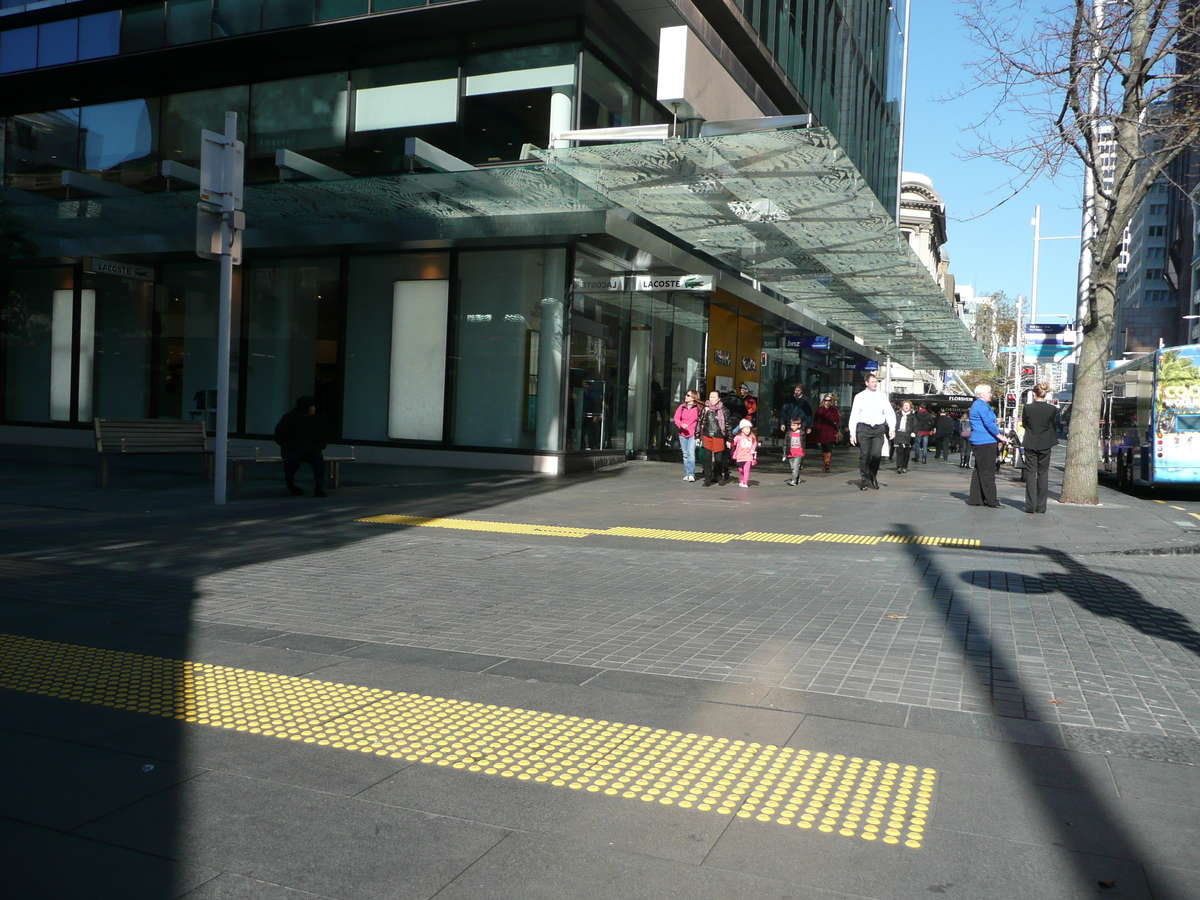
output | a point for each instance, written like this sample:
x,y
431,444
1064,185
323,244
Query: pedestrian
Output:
x,y
985,434
745,451
793,442
943,433
964,438
1041,437
743,404
795,407
300,435
687,416
871,420
906,433
924,430
716,431
827,424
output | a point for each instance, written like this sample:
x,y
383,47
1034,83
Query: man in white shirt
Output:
x,y
871,418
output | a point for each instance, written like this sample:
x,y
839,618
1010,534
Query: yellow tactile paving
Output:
x,y
850,796
664,534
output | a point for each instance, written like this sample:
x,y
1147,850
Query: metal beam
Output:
x,y
432,157
178,171
291,161
89,184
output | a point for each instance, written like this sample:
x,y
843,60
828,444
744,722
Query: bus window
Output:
x,y
1185,422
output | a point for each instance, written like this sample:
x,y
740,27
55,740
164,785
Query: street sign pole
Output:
x,y
219,215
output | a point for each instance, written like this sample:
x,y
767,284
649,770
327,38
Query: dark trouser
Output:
x,y
1037,474
943,446
902,454
922,448
718,466
291,465
964,458
870,450
983,479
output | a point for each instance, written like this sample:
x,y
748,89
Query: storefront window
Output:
x,y
119,141
119,374
38,325
514,97
396,321
185,115
392,103
509,346
596,400
293,340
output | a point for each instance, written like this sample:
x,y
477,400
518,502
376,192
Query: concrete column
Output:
x,y
562,113
550,352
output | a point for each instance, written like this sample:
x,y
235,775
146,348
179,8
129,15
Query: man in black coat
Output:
x,y
1041,436
943,433
300,435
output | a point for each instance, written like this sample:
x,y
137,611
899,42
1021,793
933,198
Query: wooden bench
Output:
x,y
333,466
149,436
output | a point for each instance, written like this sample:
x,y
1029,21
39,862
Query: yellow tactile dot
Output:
x,y
762,782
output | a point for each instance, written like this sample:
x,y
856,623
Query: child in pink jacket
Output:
x,y
745,451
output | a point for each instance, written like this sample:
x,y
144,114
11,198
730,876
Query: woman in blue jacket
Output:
x,y
985,435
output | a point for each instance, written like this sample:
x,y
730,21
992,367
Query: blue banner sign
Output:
x,y
806,341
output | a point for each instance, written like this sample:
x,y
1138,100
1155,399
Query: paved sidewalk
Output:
x,y
1047,678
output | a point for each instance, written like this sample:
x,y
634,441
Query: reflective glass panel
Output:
x,y
232,17
406,100
37,336
119,141
286,13
58,42
185,115
607,100
120,371
38,147
18,49
340,9
189,21
100,35
306,115
142,28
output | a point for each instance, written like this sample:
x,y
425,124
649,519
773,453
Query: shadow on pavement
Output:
x,y
1099,594
1085,803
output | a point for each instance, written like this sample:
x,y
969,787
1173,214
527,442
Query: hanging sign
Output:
x,y
122,270
672,282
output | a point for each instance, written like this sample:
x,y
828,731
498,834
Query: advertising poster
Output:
x,y
1177,415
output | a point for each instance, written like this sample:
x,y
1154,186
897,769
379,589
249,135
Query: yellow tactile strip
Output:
x,y
663,534
832,793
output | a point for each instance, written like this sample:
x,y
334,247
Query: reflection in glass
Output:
x,y
142,28
38,147
293,340
509,349
32,356
398,101
307,115
286,13
58,42
124,324
237,17
185,115
18,49
189,21
607,101
100,35
119,141
340,9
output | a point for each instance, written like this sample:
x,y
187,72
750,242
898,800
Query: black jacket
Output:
x,y
299,434
794,408
943,425
710,424
906,435
1041,425
924,420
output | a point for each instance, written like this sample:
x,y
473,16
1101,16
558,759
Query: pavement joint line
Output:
x,y
833,793
667,534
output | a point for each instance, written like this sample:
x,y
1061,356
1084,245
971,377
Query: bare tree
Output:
x,y
1103,86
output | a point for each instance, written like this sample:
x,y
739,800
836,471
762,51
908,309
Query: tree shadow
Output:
x,y
1059,809
1097,593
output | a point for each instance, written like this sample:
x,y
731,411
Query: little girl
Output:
x,y
745,451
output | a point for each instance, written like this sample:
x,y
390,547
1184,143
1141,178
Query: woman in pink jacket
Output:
x,y
686,417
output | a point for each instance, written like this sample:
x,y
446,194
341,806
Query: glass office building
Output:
x,y
509,314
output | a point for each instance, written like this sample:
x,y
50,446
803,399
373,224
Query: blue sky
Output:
x,y
994,251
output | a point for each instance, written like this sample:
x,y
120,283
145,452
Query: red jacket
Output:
x,y
826,423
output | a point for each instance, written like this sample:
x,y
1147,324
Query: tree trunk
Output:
x,y
1082,473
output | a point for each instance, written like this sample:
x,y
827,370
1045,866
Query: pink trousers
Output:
x,y
744,469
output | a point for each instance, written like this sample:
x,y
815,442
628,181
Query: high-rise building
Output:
x,y
439,245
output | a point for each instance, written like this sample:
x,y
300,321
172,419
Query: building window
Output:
x,y
607,101
307,115
58,42
185,115
38,148
38,319
18,49
391,103
1157,209
287,13
189,21
1155,231
100,35
1152,274
142,28
119,141
340,9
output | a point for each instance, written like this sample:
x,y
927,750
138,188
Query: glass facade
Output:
x,y
844,57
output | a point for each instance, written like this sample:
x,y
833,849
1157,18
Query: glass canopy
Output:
x,y
789,209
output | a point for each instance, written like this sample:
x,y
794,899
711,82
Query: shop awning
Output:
x,y
789,209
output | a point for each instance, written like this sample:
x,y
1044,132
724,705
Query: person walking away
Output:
x,y
906,433
794,448
871,419
1041,436
924,430
300,435
827,423
745,451
964,439
796,407
687,416
985,435
943,434
716,431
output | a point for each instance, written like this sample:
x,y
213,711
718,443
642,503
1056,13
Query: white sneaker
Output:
x,y
743,485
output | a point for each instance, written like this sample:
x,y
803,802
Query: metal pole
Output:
x,y
1037,246
903,106
1019,355
224,320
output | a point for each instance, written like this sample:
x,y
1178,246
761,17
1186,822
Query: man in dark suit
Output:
x,y
1041,435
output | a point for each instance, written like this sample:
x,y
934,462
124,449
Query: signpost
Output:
x,y
220,222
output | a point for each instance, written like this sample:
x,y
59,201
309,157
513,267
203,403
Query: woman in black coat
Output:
x,y
906,436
